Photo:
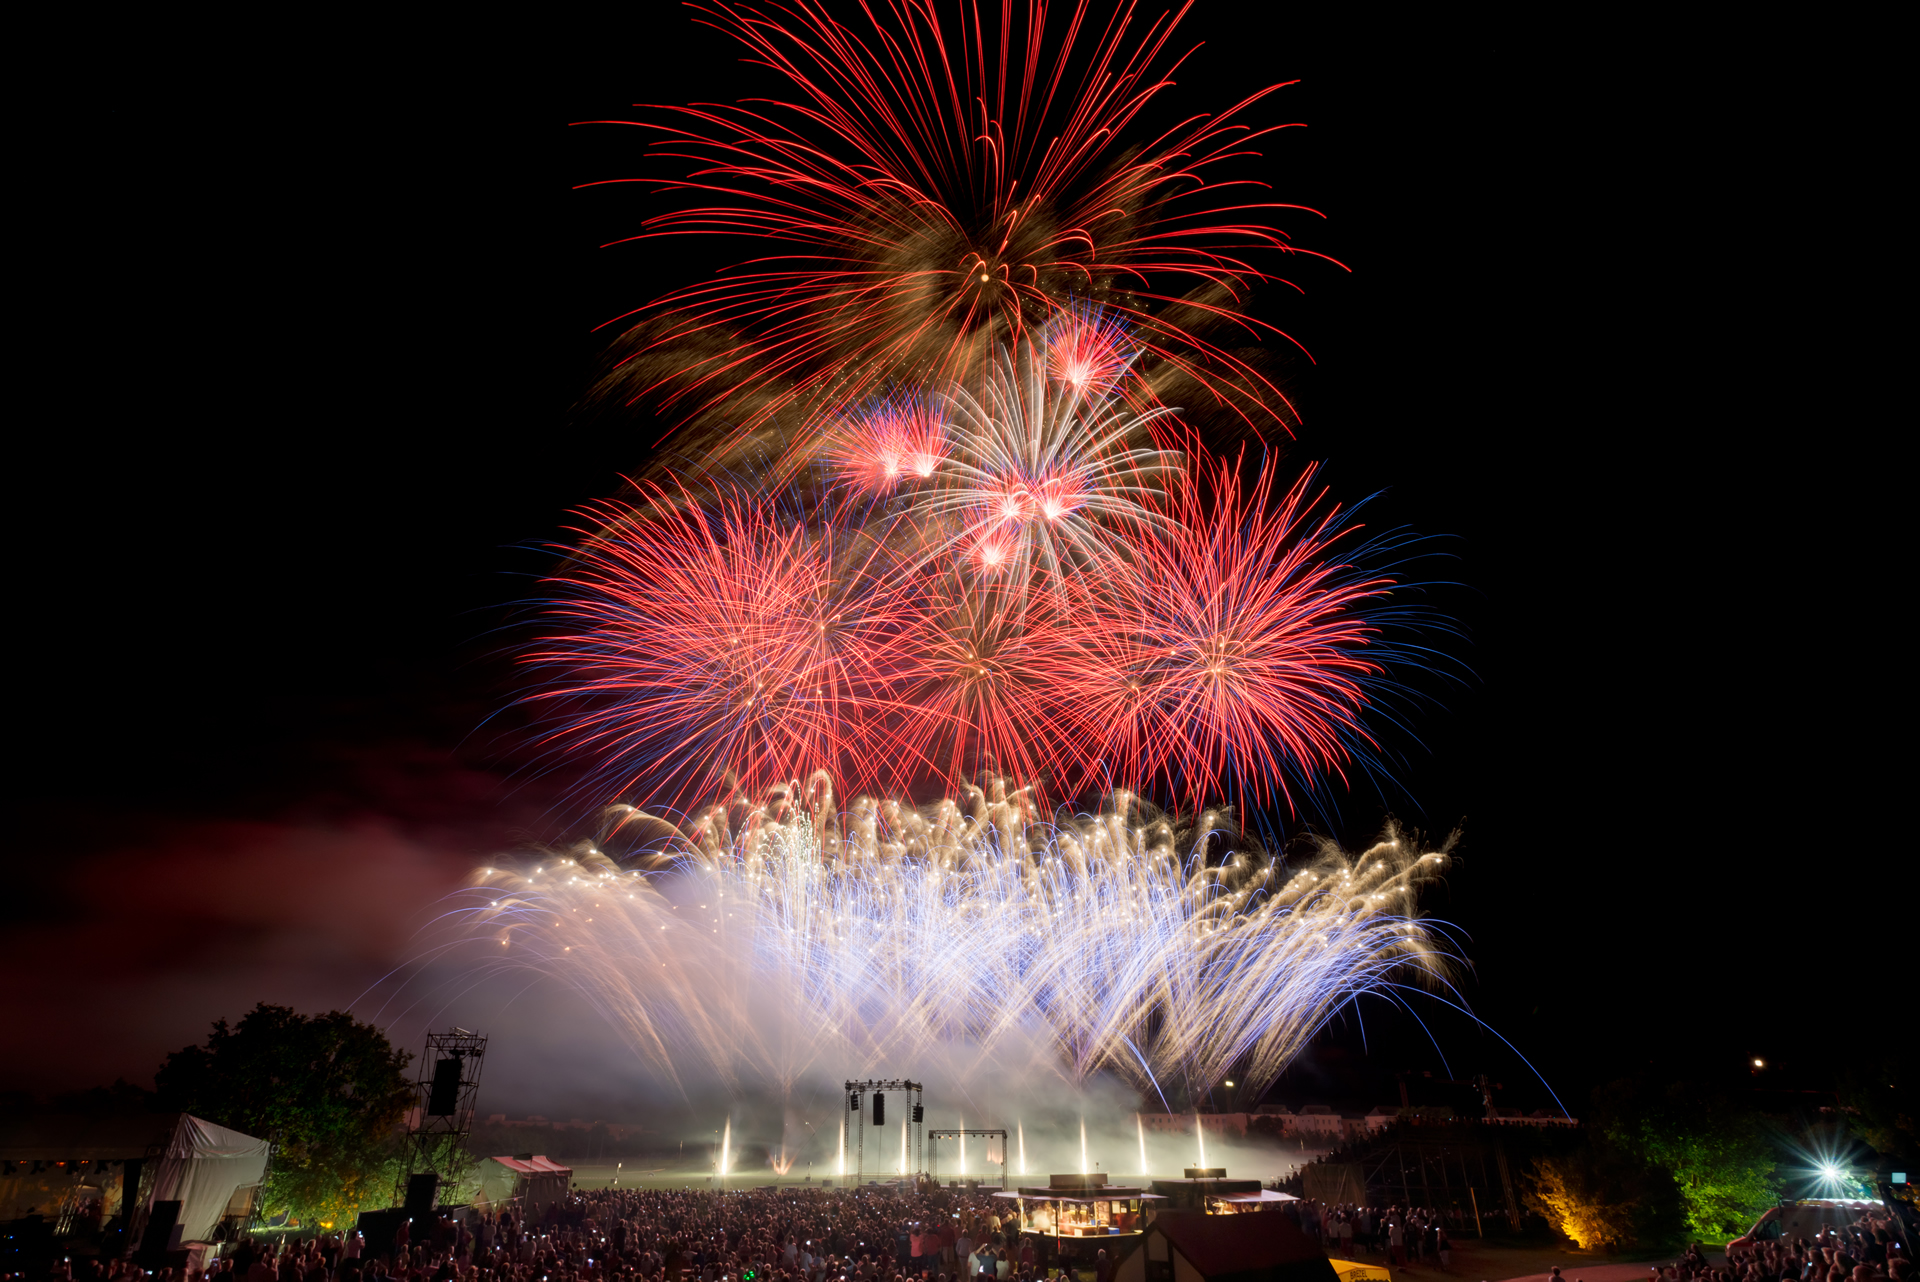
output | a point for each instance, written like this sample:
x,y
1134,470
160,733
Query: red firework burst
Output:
x,y
1087,350
940,187
712,646
1233,656
878,448
977,690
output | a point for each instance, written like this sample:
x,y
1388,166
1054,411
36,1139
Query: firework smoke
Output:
x,y
801,938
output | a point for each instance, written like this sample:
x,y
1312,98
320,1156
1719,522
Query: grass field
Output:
x,y
650,1175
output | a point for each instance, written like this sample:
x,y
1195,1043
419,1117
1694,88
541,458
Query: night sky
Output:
x,y
307,420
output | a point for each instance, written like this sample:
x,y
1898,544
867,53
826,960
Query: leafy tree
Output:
x,y
1600,1197
1716,1150
330,1089
1881,1105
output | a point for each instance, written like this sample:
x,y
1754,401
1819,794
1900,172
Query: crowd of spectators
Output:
x,y
642,1235
1409,1237
928,1235
765,1235
1867,1250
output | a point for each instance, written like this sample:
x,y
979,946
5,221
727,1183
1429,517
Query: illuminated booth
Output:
x,y
1208,1189
1076,1210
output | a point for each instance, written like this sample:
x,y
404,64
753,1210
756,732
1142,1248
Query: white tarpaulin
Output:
x,y
1257,1197
202,1168
536,1182
164,1156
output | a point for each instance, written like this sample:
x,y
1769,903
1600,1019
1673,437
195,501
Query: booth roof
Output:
x,y
534,1166
1220,1245
1116,1194
1263,1195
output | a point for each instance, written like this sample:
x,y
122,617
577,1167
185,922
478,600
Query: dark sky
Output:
x,y
314,338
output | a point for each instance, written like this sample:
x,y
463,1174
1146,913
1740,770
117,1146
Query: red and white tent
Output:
x,y
527,1185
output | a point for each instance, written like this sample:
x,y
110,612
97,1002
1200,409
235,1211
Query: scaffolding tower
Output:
x,y
853,1121
961,1134
442,1116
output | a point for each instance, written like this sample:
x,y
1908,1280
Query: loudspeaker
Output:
x,y
879,1109
853,1102
445,1095
919,1114
378,1228
163,1230
422,1190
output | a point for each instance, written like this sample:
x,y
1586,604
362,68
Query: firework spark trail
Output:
x,y
936,202
1044,482
1088,350
1237,646
978,686
893,442
710,643
970,928
937,522
999,582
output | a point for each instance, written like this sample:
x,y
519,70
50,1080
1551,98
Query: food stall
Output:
x,y
1255,1200
1083,1209
1209,1190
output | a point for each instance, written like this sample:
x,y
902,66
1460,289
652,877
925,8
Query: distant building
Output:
x,y
1318,1122
1387,1114
1182,1123
614,1130
1539,1117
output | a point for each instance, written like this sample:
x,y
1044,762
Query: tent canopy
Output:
x,y
1260,1195
203,1167
537,1181
1354,1271
1266,1247
1117,1197
196,1163
534,1166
